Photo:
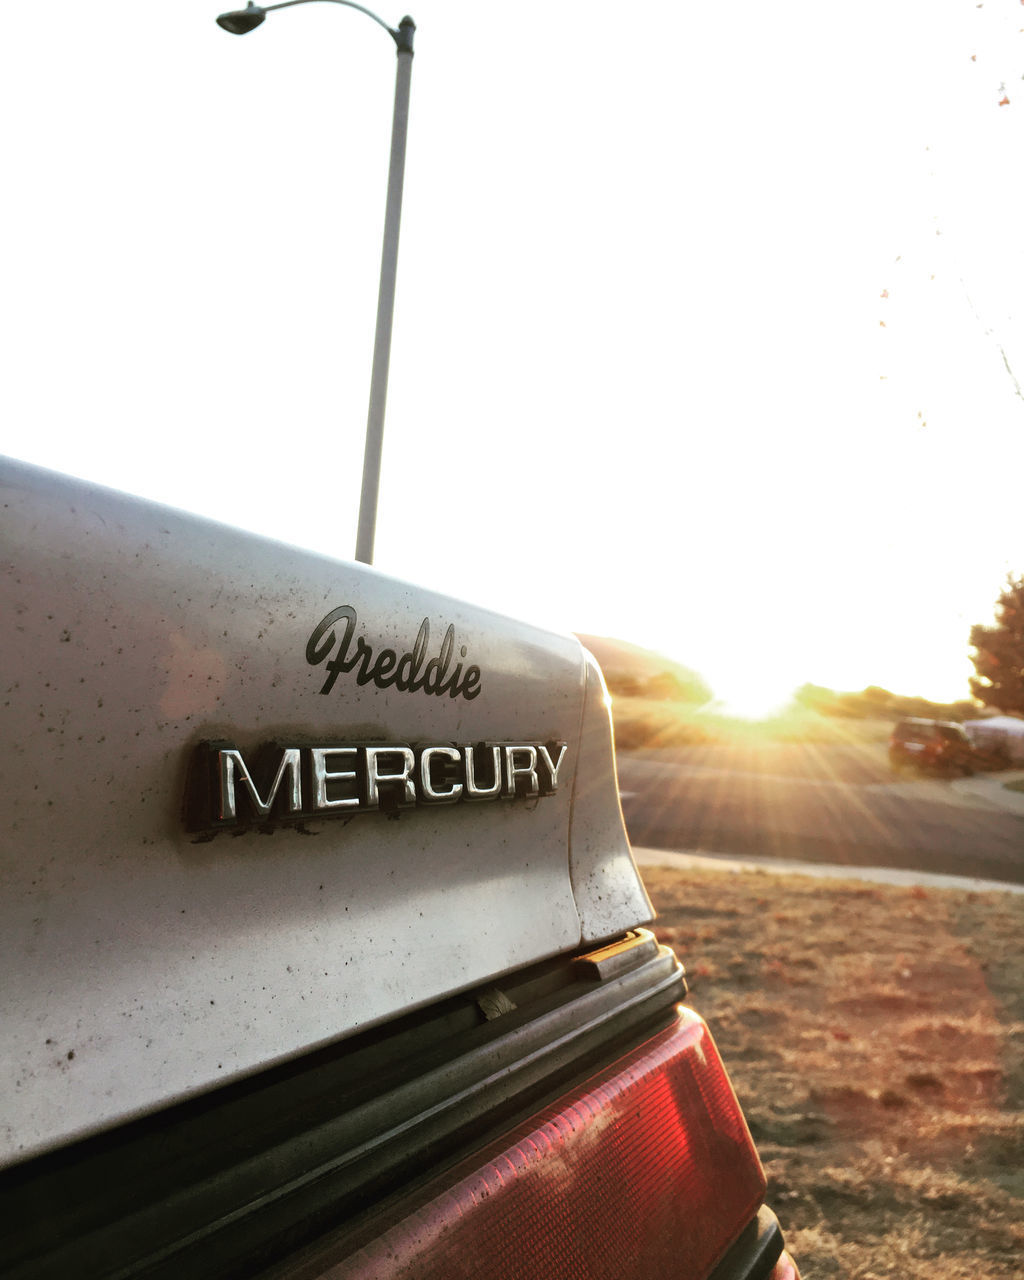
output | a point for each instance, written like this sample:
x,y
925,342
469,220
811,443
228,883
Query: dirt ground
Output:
x,y
875,1037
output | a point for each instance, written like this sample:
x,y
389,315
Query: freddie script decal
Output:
x,y
408,672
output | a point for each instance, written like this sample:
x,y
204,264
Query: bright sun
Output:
x,y
753,690
753,700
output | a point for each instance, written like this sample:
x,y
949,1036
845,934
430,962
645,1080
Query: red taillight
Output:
x,y
648,1168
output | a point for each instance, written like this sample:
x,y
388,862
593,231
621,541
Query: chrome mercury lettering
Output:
x,y
281,785
527,772
474,791
230,764
444,792
409,673
322,776
378,775
551,765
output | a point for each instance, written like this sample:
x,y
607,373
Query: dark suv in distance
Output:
x,y
931,744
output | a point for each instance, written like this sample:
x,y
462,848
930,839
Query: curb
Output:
x,y
826,871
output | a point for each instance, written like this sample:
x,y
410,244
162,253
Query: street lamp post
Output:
x,y
241,21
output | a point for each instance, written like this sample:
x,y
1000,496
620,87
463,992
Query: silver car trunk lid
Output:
x,y
159,939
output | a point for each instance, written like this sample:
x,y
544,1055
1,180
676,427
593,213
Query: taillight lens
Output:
x,y
647,1168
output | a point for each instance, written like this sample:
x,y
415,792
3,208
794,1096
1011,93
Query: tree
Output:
x,y
999,659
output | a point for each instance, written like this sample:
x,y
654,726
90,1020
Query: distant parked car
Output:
x,y
998,741
931,744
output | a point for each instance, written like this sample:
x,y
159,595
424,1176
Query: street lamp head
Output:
x,y
241,21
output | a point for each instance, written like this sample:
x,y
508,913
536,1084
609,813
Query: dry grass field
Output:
x,y
875,1036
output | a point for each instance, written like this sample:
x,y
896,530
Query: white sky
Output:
x,y
639,384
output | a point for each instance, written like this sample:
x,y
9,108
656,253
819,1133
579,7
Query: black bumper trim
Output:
x,y
223,1185
756,1251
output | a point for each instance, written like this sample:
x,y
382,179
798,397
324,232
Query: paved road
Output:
x,y
818,804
